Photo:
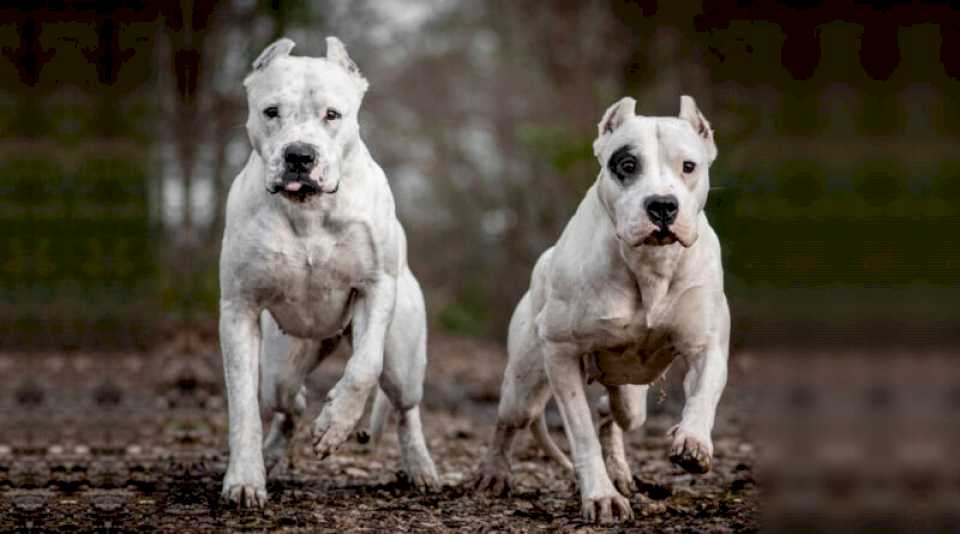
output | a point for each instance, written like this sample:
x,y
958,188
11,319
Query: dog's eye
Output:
x,y
627,166
272,112
689,166
332,114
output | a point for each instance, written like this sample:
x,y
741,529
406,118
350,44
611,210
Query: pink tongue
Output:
x,y
292,186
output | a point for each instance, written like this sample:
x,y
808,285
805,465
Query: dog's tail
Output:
x,y
379,417
542,435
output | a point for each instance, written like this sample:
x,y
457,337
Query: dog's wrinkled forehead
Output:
x,y
291,79
663,133
689,134
278,75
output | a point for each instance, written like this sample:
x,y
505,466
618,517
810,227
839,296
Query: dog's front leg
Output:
x,y
345,402
245,480
600,500
706,377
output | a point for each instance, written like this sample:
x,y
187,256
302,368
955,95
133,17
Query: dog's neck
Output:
x,y
654,269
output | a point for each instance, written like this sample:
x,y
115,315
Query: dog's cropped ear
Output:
x,y
613,118
690,113
337,53
616,115
280,47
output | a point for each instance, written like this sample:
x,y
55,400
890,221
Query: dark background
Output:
x,y
835,196
835,192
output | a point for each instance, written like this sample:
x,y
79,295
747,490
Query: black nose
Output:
x,y
299,157
662,209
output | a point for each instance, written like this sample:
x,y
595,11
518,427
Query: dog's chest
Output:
x,y
629,351
639,361
314,280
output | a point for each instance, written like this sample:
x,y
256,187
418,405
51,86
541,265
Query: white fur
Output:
x,y
604,305
297,278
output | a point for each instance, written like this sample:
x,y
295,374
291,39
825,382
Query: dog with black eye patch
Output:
x,y
634,282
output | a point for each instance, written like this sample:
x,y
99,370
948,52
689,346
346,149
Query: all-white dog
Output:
x,y
314,256
634,282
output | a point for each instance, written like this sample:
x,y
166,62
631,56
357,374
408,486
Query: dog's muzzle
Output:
x,y
300,173
662,211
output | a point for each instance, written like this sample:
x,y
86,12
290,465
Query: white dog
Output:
x,y
313,255
634,282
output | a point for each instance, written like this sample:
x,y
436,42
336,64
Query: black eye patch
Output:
x,y
623,164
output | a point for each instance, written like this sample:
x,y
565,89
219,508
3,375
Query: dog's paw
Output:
x,y
329,432
276,459
245,495
496,484
276,446
274,455
244,483
493,477
620,475
606,508
424,481
422,473
694,454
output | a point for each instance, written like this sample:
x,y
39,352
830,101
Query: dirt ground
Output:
x,y
138,441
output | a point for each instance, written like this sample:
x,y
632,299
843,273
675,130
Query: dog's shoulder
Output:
x,y
584,286
586,258
245,196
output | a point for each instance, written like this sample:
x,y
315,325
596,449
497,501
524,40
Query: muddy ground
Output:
x,y
138,441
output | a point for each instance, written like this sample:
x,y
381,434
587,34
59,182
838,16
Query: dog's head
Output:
x,y
654,174
303,116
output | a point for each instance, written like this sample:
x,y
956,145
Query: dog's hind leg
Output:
x,y
404,366
379,417
523,397
284,363
623,408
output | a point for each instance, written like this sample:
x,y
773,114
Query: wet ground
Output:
x,y
138,441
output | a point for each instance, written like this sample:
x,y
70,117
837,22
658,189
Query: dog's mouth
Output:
x,y
660,237
298,186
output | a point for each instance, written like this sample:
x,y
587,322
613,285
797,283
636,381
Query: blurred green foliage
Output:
x,y
78,268
566,150
469,311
